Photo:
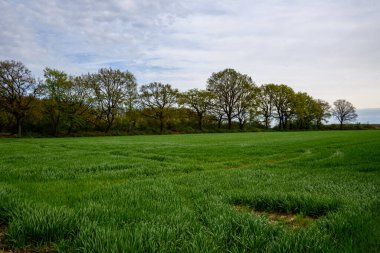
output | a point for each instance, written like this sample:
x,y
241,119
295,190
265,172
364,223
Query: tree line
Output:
x,y
110,100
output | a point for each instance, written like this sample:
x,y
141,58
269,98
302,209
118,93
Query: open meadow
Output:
x,y
242,192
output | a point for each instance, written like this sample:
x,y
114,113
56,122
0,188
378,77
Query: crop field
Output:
x,y
242,192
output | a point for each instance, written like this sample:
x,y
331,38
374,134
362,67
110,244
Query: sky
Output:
x,y
327,48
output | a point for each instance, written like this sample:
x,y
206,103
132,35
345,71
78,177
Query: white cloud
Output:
x,y
329,49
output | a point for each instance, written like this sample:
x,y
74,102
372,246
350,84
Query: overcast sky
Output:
x,y
327,48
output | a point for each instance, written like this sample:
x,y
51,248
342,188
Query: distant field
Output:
x,y
244,192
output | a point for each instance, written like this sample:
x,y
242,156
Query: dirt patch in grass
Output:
x,y
3,248
28,249
291,220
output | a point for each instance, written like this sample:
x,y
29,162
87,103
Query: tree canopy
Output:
x,y
344,111
17,87
157,98
109,100
233,93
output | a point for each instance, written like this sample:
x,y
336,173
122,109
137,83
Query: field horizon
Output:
x,y
312,191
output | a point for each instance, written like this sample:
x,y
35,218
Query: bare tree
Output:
x,y
157,98
344,111
17,88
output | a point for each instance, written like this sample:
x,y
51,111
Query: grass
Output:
x,y
180,193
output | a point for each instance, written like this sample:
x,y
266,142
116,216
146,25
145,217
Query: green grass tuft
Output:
x,y
193,193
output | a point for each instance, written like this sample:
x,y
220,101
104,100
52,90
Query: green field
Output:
x,y
243,192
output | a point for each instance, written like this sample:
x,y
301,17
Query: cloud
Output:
x,y
322,47
81,33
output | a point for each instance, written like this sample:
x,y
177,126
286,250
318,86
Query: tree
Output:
x,y
217,111
322,112
111,89
17,87
157,99
344,111
78,100
266,105
305,108
198,100
283,102
246,104
230,87
54,90
130,106
66,99
5,119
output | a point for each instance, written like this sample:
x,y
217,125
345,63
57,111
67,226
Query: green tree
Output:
x,y
217,111
130,106
17,87
266,103
283,100
322,112
111,90
157,99
247,103
78,99
305,108
344,111
230,87
198,100
54,91
66,99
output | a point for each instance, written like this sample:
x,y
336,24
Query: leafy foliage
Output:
x,y
109,101
157,99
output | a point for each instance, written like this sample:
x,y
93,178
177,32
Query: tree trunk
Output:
x,y
54,118
110,119
285,123
70,129
200,121
18,120
56,127
241,124
220,122
161,124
